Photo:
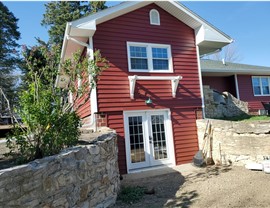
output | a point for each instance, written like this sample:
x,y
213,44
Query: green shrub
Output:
x,y
49,128
131,194
50,121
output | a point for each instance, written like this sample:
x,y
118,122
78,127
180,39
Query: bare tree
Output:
x,y
229,53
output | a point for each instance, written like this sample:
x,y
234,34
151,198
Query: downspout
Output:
x,y
236,86
200,80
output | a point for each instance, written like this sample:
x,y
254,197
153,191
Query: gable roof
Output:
x,y
217,68
208,37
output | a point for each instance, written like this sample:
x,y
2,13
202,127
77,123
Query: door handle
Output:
x,y
150,140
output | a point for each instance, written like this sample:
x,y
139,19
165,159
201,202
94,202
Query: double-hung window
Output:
x,y
261,85
147,57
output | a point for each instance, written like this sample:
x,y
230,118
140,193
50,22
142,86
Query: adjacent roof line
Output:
x,y
232,63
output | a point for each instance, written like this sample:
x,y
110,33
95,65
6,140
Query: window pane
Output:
x,y
138,52
154,17
256,85
138,63
160,53
257,90
160,64
256,81
265,86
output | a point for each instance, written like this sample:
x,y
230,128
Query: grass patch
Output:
x,y
246,118
131,194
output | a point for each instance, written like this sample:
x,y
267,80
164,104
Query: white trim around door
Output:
x,y
148,139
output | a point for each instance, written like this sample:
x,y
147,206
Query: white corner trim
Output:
x,y
134,78
93,95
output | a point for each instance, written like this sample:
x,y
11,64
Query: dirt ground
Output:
x,y
222,187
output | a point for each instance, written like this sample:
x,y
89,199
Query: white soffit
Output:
x,y
71,45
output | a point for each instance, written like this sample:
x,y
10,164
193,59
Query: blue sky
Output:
x,y
246,22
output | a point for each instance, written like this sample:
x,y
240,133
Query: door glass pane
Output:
x,y
136,139
159,139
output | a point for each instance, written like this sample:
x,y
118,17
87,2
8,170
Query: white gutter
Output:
x,y
200,80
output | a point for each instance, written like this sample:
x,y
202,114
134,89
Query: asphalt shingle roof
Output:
x,y
218,65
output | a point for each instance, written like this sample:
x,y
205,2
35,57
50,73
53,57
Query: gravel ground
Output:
x,y
222,187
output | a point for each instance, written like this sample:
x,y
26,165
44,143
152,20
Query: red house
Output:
x,y
246,82
152,92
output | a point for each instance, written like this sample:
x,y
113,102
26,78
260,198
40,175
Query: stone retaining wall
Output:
x,y
219,105
237,142
83,176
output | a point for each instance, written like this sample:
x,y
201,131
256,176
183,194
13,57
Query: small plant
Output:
x,y
131,194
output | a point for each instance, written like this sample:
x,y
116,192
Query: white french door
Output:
x,y
148,138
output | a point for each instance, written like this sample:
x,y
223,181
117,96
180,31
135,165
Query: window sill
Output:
x,y
151,71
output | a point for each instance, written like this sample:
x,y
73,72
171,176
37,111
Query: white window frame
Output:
x,y
261,86
149,47
151,13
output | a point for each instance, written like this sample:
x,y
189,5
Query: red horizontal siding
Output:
x,y
185,135
246,93
115,121
113,85
83,104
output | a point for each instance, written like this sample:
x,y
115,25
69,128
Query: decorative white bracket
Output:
x,y
133,79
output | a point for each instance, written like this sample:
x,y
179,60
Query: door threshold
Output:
x,y
150,171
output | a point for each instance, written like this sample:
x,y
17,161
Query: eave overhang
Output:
x,y
208,38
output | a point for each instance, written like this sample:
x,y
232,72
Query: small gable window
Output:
x,y
154,17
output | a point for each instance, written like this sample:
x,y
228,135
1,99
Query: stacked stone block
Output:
x,y
83,176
